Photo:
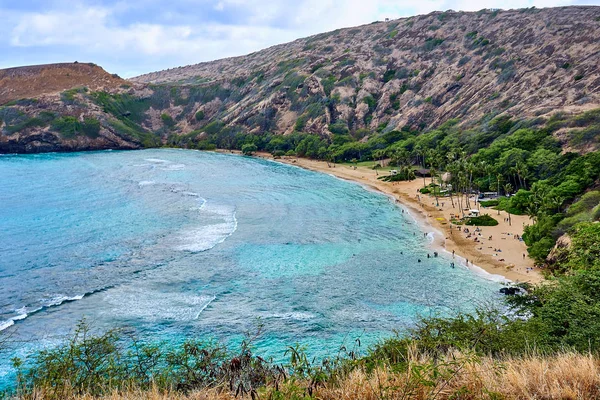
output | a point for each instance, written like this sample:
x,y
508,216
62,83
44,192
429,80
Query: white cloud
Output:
x,y
140,45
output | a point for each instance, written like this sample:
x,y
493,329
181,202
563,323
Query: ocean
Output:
x,y
172,244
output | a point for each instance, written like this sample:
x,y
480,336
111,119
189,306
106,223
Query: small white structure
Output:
x,y
473,213
488,195
394,172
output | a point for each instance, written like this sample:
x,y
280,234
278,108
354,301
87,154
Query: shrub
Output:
x,y
91,127
300,123
167,120
371,102
39,121
126,107
214,127
339,128
395,102
463,61
200,115
586,203
432,43
389,75
249,149
489,203
328,84
471,35
68,126
482,220
100,364
205,145
130,130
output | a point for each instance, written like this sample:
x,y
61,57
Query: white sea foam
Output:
x,y
431,236
173,167
204,307
202,238
22,314
201,206
58,300
6,324
154,305
299,316
156,160
146,183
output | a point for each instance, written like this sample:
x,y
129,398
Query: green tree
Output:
x,y
249,149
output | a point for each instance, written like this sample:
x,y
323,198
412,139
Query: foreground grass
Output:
x,y
565,375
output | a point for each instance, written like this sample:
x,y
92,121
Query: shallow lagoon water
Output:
x,y
173,243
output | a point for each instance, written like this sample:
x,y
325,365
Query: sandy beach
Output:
x,y
496,250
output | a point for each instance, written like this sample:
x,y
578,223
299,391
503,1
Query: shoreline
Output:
x,y
434,219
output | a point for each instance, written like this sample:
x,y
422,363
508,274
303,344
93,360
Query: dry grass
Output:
x,y
563,376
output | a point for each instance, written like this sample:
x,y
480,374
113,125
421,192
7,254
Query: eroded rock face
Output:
x,y
562,246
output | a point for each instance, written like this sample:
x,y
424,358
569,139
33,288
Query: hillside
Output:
x,y
51,108
33,81
412,73
419,71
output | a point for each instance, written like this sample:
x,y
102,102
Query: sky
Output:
x,y
132,37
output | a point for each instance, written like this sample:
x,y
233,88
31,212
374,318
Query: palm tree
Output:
x,y
489,170
508,189
532,211
379,155
498,192
453,172
420,152
521,170
435,189
557,202
470,169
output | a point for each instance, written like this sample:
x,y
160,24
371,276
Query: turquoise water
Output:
x,y
174,243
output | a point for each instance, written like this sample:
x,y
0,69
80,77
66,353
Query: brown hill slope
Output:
x,y
33,81
416,72
51,108
419,71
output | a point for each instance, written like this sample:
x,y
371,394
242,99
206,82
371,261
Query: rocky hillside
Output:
x,y
53,108
33,81
419,71
416,73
